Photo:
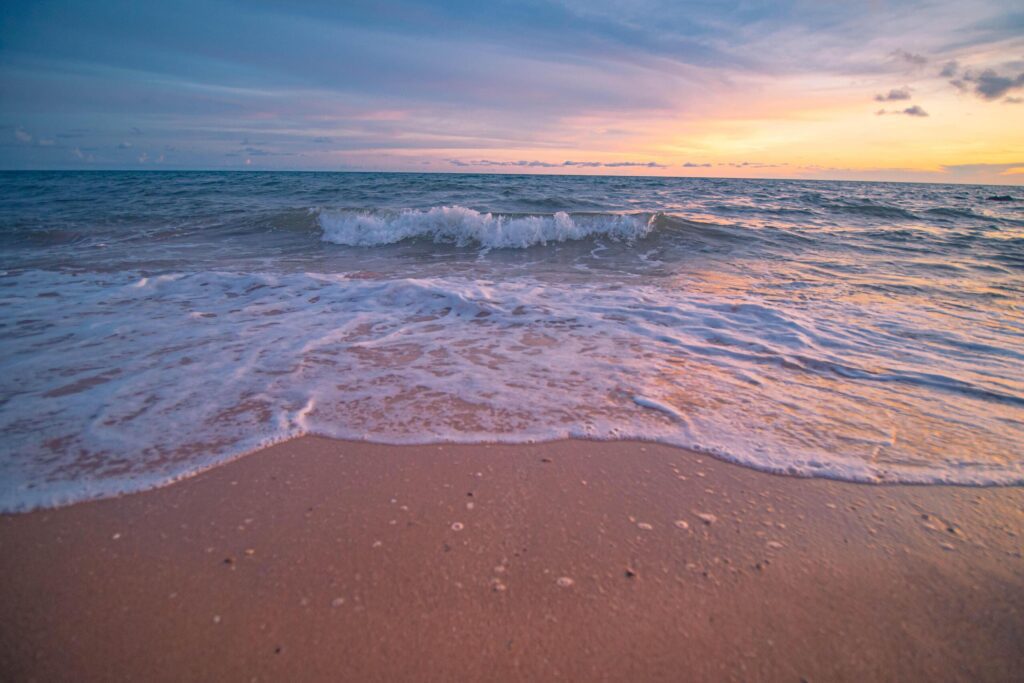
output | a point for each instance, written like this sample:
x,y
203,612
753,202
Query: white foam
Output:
x,y
122,382
658,405
464,227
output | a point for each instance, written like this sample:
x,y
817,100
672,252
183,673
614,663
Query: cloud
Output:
x,y
950,173
989,85
74,133
752,164
1000,169
144,158
259,152
1013,100
950,69
915,110
564,164
29,140
491,162
637,164
894,95
909,58
466,163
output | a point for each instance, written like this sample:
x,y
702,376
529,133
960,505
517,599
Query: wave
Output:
x,y
869,209
464,227
158,324
953,213
219,363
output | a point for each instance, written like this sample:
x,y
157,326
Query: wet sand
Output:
x,y
328,560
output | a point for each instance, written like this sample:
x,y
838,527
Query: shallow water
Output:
x,y
154,324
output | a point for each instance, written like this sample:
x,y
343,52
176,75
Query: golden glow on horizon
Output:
x,y
789,133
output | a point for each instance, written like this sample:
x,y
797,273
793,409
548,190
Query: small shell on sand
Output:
x,y
458,526
775,545
644,525
565,582
707,517
682,524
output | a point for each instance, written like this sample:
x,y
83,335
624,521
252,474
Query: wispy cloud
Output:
x,y
753,164
894,95
915,110
1000,169
908,58
950,69
564,164
633,164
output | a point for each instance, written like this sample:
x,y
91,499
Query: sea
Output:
x,y
157,324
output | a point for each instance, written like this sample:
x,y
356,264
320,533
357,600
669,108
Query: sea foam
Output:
x,y
133,381
463,227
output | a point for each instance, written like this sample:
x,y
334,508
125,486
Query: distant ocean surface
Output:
x,y
156,324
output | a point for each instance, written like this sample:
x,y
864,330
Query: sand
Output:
x,y
328,560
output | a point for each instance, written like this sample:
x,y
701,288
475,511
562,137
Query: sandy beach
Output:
x,y
551,341
328,560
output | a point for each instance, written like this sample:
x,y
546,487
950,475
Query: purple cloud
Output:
x,y
915,110
894,95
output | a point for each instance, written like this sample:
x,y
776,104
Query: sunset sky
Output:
x,y
923,91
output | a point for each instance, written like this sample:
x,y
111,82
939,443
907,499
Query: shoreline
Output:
x,y
556,442
322,559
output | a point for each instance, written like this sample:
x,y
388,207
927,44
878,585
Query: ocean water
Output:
x,y
156,324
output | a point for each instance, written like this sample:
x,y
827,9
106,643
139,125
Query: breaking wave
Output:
x,y
465,227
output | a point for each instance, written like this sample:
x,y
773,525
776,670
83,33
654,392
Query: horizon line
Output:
x,y
498,173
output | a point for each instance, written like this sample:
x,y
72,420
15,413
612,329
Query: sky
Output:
x,y
866,90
